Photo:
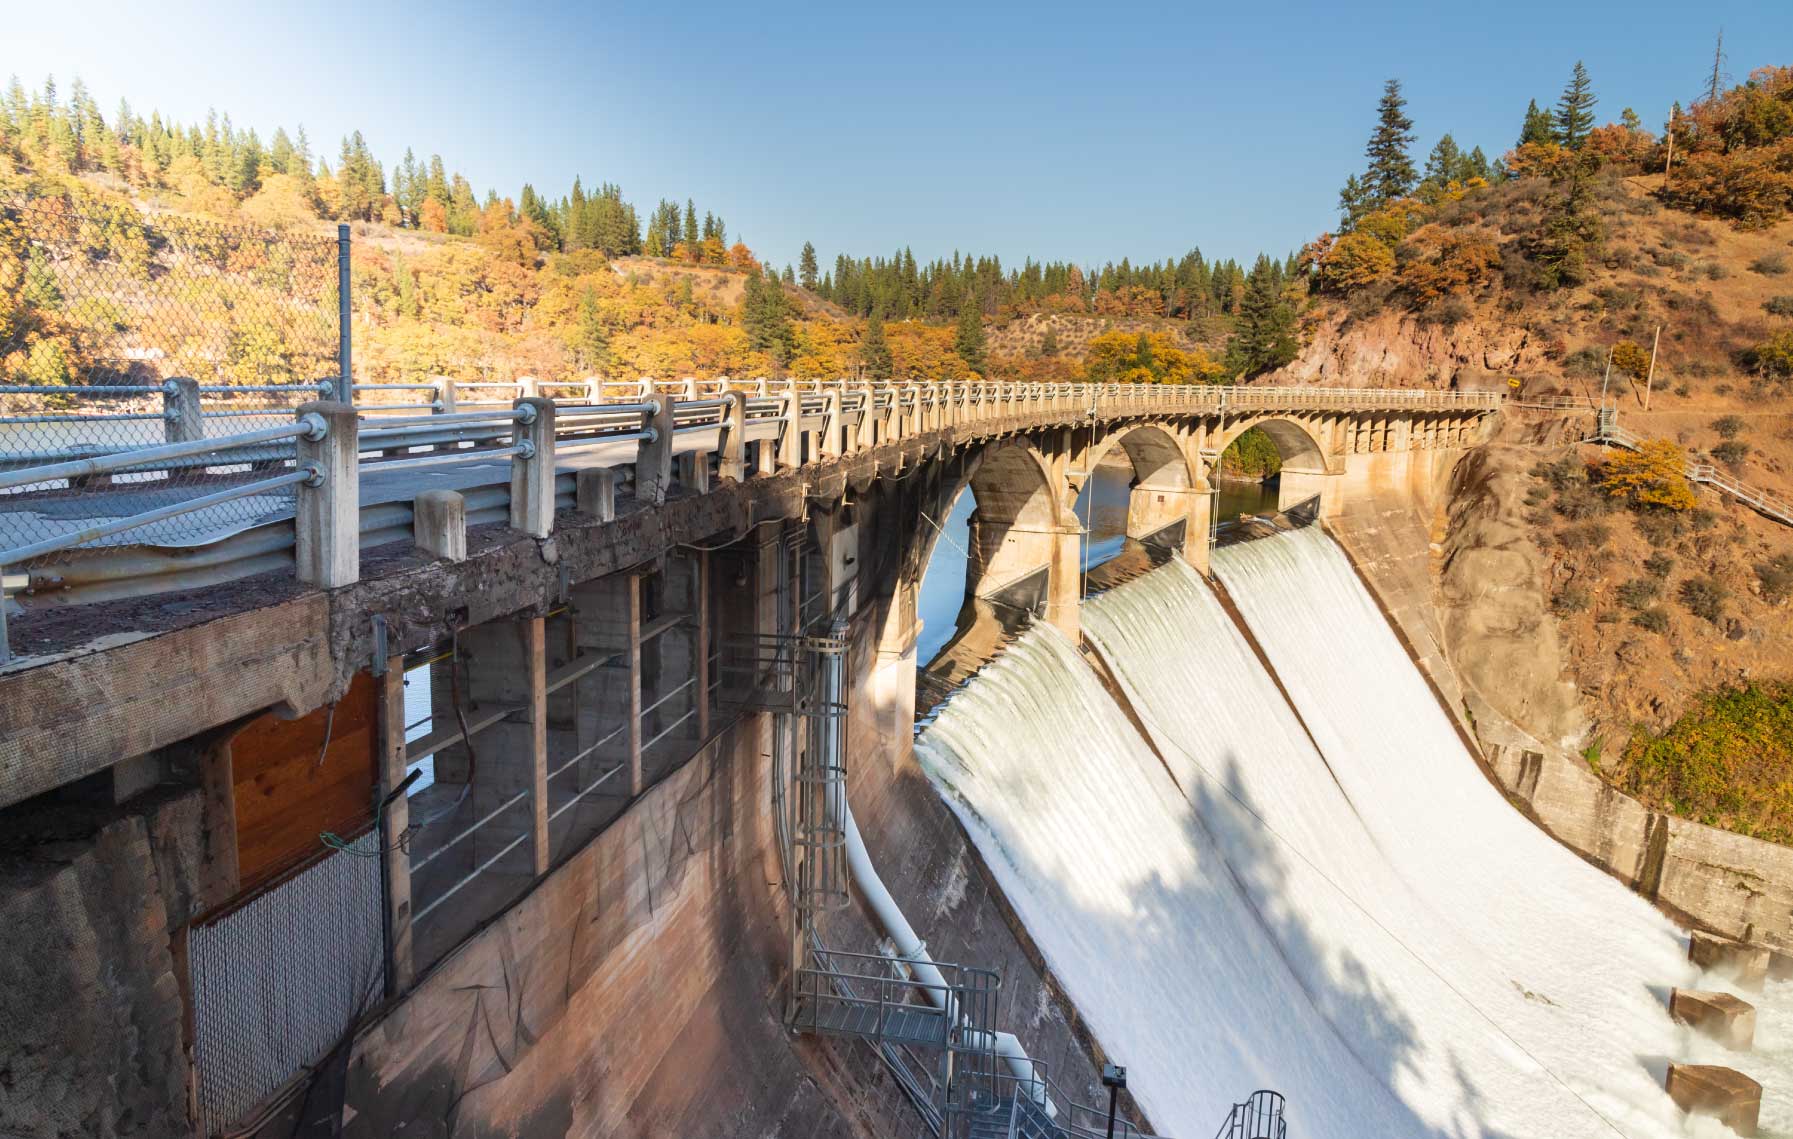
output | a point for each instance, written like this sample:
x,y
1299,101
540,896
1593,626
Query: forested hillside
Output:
x,y
452,281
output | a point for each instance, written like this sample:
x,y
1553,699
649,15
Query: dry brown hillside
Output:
x,y
1645,609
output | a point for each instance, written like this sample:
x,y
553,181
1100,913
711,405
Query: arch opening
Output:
x,y
1278,465
1136,501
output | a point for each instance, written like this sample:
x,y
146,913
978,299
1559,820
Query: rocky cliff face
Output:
x,y
1496,619
1397,349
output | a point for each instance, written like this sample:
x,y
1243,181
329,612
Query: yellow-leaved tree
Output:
x,y
1653,475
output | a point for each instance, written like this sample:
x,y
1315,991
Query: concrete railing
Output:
x,y
517,436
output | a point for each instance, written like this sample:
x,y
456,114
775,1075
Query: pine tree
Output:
x,y
1391,173
968,339
874,350
1354,202
1265,333
691,234
1629,120
1575,110
1446,163
1477,165
766,319
806,268
1537,126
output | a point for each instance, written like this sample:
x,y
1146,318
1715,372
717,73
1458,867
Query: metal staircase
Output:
x,y
1259,1117
1607,430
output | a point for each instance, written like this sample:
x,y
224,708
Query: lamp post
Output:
x,y
1114,1078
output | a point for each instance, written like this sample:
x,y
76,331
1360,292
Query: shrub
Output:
x,y
1728,426
1653,475
1584,536
1773,357
1659,526
1731,451
1659,565
1587,363
1564,472
1702,519
1776,576
1770,264
1631,359
1655,620
1724,763
1704,597
1579,500
1569,600
1638,593
1778,306
1714,270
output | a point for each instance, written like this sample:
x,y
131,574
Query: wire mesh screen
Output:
x,y
121,330
279,983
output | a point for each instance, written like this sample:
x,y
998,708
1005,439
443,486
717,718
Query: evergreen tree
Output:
x,y
1264,337
1446,163
1575,110
874,351
789,276
592,336
1477,165
1537,126
1629,120
766,319
1354,202
968,339
1391,173
691,235
806,269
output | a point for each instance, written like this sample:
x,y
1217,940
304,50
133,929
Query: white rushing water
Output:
x,y
1365,925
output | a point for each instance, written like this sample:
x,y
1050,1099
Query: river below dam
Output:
x,y
1286,871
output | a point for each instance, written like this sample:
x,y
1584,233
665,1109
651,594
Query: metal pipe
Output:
x,y
448,458
118,525
494,813
477,871
311,427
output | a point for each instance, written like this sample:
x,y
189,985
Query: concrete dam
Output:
x,y
575,789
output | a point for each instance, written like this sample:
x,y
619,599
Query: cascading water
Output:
x,y
1131,904
1366,925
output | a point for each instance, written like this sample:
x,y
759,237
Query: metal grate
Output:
x,y
278,982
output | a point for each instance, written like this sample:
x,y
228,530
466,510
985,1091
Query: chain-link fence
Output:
x,y
279,982
122,330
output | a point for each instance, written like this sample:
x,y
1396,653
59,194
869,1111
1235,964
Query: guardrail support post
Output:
x,y
790,432
868,420
731,442
532,479
594,493
327,517
833,443
439,524
653,459
182,421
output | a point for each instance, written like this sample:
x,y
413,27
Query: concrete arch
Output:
x,y
1020,539
1158,458
1302,451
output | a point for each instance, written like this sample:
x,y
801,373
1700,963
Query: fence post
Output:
x,y
731,445
181,419
532,478
832,442
327,516
345,385
594,493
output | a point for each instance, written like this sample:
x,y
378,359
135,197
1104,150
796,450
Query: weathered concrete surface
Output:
x,y
71,717
1728,1019
91,1010
1743,964
1723,1093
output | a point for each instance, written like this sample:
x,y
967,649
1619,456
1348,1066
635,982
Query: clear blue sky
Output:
x,y
1086,132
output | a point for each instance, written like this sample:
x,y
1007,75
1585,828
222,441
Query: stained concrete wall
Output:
x,y
91,1006
1395,528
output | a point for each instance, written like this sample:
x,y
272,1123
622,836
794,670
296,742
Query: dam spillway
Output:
x,y
1297,878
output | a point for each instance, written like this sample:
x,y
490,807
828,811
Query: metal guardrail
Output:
x,y
197,488
1259,1117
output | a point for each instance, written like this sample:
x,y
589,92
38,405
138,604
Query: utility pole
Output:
x,y
1670,163
1650,379
1606,377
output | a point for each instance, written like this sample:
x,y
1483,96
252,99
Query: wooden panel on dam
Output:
x,y
293,780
